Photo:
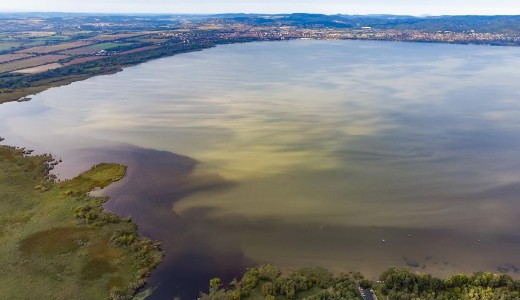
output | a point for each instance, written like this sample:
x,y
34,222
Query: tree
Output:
x,y
214,285
365,283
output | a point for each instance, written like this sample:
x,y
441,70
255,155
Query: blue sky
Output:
x,y
412,7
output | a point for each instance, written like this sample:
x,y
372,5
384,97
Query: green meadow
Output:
x,y
8,45
55,240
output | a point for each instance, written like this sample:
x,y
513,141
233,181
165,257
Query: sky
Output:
x,y
400,7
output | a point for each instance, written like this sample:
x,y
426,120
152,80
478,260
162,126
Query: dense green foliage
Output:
x,y
402,284
268,282
55,240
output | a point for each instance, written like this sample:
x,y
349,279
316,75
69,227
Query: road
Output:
x,y
367,294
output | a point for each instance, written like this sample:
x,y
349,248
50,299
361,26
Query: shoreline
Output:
x,y
25,93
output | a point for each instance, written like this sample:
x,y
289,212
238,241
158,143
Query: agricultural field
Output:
x,y
108,46
154,40
39,69
80,51
8,46
138,50
34,43
30,62
83,60
10,57
56,38
53,48
36,34
113,37
57,242
93,48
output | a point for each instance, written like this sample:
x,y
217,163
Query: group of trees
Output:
x,y
403,284
268,282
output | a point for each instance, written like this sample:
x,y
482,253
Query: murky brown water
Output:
x,y
302,153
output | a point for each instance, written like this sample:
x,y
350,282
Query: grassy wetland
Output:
x,y
57,242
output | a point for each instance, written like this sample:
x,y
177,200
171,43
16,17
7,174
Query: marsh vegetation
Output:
x,y
57,241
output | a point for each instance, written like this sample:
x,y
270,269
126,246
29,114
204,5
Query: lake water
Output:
x,y
301,153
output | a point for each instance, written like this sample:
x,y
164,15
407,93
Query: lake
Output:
x,y
352,155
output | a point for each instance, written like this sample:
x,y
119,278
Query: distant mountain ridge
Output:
x,y
488,24
501,24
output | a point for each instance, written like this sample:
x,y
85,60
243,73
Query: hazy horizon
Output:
x,y
28,12
398,7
